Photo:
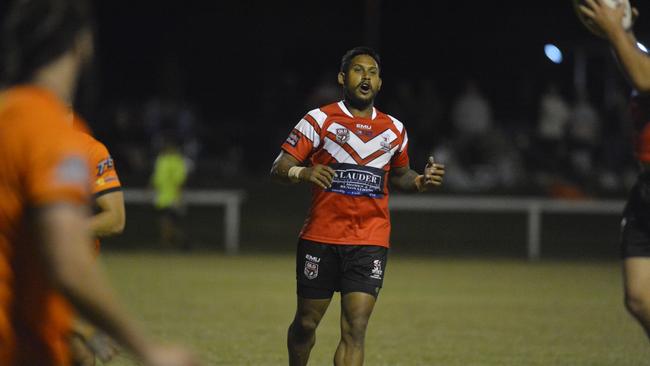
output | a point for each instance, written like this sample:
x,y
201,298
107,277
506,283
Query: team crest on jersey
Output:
x,y
377,272
385,144
342,135
311,270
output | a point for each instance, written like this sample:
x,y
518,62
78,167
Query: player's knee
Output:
x,y
637,302
356,330
304,325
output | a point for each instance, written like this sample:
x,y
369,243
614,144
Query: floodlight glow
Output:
x,y
642,47
553,53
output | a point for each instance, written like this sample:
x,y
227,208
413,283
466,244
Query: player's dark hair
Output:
x,y
36,32
346,60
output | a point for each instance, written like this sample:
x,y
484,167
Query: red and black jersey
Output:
x,y
640,112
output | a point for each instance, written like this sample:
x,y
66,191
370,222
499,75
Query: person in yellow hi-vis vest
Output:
x,y
169,175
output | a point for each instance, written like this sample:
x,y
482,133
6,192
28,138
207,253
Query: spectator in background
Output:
x,y
483,157
584,138
554,113
169,175
471,114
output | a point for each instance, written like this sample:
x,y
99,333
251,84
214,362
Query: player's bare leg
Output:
x,y
356,308
301,336
636,272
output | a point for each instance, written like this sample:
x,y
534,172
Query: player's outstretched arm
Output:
x,y
406,179
111,218
64,244
286,169
634,63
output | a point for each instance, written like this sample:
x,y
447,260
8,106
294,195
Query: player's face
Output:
x,y
361,82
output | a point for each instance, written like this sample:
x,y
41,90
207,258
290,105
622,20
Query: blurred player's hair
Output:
x,y
346,60
37,32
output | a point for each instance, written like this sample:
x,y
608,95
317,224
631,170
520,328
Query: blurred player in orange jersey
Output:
x,y
45,243
108,219
635,245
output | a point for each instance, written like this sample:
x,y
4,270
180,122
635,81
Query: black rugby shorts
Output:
x,y
635,225
322,269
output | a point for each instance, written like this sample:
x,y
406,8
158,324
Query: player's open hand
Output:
x,y
102,345
432,177
320,175
607,19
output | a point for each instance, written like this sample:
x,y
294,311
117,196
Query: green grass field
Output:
x,y
432,311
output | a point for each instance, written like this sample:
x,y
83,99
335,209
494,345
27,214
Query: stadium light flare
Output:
x,y
553,53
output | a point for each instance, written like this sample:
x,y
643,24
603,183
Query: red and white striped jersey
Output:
x,y
354,211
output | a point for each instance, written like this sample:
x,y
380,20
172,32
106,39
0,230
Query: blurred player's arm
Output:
x,y
64,243
633,61
111,217
408,180
287,169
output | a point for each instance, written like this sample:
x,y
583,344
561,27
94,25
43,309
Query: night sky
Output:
x,y
231,58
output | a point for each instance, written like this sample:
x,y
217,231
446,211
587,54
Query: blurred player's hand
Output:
x,y
607,19
320,175
102,345
169,356
432,177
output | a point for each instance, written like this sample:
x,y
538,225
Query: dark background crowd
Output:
x,y
228,80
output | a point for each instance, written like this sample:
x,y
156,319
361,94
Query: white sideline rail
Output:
x,y
230,199
533,207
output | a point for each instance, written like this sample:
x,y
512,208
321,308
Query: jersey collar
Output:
x,y
347,112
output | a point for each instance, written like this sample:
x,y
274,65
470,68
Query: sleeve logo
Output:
x,y
293,139
104,165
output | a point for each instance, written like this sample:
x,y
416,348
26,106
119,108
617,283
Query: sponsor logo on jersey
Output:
x,y
376,270
104,165
364,133
357,180
311,270
364,126
293,139
342,135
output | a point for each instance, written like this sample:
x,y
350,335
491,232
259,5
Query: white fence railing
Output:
x,y
230,199
533,207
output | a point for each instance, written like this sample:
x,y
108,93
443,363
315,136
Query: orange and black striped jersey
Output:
x,y
361,151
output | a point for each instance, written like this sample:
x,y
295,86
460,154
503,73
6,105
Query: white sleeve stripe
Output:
x,y
308,131
319,116
399,125
406,140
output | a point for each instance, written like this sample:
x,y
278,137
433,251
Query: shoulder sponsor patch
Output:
x,y
105,165
357,180
293,139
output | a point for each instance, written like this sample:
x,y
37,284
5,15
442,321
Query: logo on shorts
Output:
x,y
311,270
376,270
342,135
311,258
